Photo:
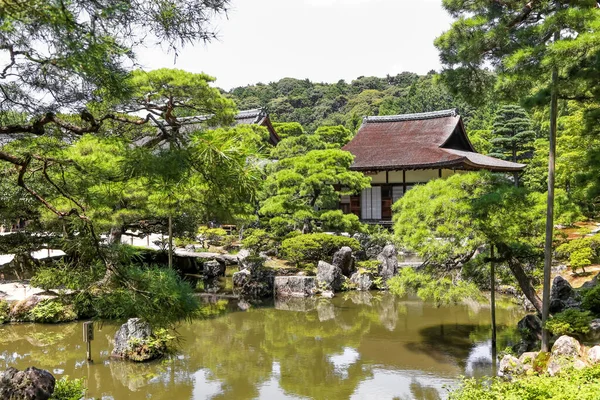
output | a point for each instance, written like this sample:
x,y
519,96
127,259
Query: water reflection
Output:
x,y
358,345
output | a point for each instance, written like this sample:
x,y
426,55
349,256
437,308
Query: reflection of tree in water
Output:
x,y
240,349
453,343
420,392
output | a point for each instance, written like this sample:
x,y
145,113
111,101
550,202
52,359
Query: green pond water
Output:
x,y
355,346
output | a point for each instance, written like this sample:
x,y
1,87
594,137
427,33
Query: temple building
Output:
x,y
401,151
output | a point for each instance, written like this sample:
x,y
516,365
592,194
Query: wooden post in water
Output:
x,y
170,241
493,306
88,336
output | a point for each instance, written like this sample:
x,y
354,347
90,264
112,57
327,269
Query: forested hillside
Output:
x,y
493,127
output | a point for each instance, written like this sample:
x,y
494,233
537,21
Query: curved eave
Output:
x,y
462,163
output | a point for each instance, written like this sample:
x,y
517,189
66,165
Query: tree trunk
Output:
x,y
550,206
519,273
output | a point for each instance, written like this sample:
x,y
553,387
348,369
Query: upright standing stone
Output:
x,y
388,259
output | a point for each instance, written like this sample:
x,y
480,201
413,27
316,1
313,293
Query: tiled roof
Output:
x,y
418,141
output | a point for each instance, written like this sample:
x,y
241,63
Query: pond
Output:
x,y
358,345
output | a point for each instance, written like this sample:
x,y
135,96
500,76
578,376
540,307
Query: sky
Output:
x,y
322,40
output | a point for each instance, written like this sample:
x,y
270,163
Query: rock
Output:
x,y
329,277
344,260
591,283
562,295
250,262
295,286
241,278
594,334
510,366
227,259
31,384
243,305
363,281
388,259
566,346
555,366
528,357
328,294
530,327
556,306
593,355
257,283
579,365
213,269
561,289
129,341
558,269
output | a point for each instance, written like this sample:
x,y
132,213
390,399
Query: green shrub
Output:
x,y
52,311
4,310
580,252
591,300
66,276
68,389
337,221
155,294
313,247
258,240
571,384
570,322
183,241
211,236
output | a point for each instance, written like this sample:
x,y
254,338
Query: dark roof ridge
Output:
x,y
412,117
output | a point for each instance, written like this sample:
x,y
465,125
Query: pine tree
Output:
x,y
513,137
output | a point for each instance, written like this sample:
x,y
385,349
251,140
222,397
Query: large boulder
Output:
x,y
562,295
329,277
591,283
530,328
241,278
213,269
593,355
388,259
132,339
31,384
344,260
362,280
295,286
566,346
254,284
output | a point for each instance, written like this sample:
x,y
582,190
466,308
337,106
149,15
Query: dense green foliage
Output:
x,y
447,221
52,311
313,247
591,300
303,188
570,322
441,291
572,384
581,252
68,389
512,134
